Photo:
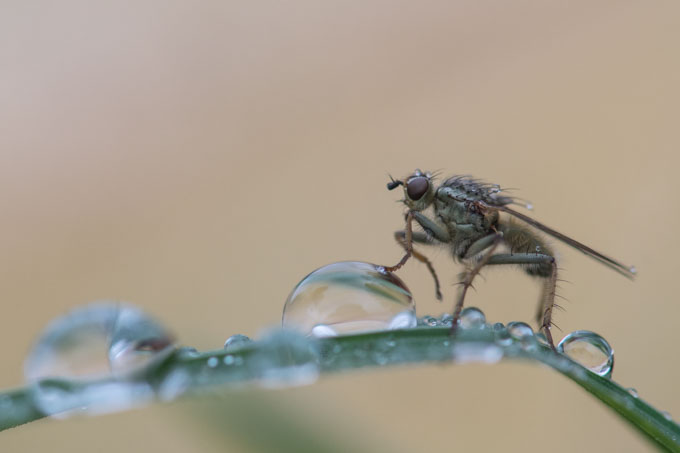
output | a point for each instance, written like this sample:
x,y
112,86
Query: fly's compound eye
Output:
x,y
417,187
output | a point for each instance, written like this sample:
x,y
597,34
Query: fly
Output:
x,y
467,216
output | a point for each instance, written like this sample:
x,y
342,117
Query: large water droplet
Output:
x,y
349,297
472,318
590,350
285,358
100,341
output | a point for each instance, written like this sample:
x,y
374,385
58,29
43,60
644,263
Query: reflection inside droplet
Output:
x,y
590,350
348,297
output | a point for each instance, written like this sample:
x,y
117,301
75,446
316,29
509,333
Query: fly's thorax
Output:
x,y
458,208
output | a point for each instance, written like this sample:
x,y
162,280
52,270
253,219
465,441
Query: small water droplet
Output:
x,y
633,270
446,320
472,318
520,330
285,358
590,350
501,334
428,320
348,297
237,341
529,206
213,362
667,415
633,392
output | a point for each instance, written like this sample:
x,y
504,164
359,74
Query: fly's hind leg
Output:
x,y
422,238
544,266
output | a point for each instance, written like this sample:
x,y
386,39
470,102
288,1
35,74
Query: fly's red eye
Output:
x,y
417,187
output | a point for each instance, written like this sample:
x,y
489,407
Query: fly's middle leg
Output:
x,y
400,237
491,242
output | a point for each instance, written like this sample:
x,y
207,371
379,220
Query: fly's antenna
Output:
x,y
394,183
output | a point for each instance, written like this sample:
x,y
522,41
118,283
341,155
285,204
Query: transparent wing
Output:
x,y
626,271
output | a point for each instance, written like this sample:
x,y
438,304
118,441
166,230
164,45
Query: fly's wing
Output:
x,y
626,271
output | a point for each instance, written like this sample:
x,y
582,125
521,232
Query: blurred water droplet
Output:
x,y
520,330
590,350
633,270
348,297
228,360
667,415
213,362
285,358
95,341
472,318
100,341
633,392
236,342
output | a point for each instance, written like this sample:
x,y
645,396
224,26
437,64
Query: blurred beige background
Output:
x,y
199,158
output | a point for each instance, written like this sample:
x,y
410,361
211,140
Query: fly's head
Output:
x,y
418,190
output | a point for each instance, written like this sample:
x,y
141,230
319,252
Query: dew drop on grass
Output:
x,y
106,341
472,318
237,341
348,297
520,330
590,350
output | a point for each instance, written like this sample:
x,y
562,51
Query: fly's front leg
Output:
x,y
490,243
407,244
422,238
548,295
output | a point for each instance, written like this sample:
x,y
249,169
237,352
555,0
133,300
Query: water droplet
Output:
x,y
348,297
667,415
472,318
633,392
446,320
237,341
96,341
520,330
529,206
501,334
633,270
285,358
213,362
590,350
428,320
112,343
